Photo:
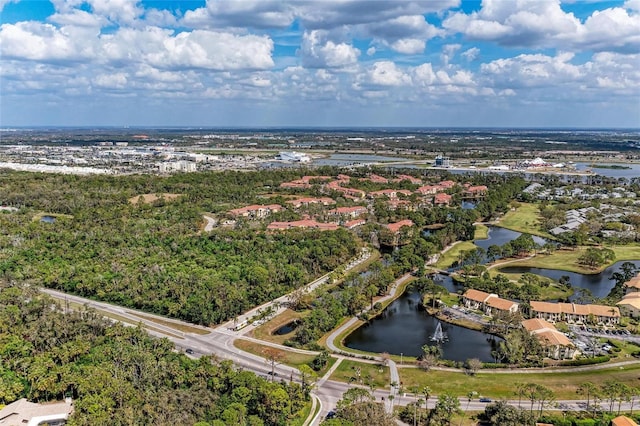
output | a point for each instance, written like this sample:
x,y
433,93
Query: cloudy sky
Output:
x,y
435,63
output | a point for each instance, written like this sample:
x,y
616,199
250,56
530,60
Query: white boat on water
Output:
x,y
293,157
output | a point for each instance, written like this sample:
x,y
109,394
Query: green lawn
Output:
x,y
502,385
526,219
481,232
362,373
292,359
451,255
567,260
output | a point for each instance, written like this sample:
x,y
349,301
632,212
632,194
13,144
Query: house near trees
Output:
x,y
555,344
487,302
256,211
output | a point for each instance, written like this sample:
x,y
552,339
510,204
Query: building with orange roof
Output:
x,y
390,193
448,184
376,178
623,421
348,212
630,305
442,199
574,313
429,189
556,344
306,201
354,223
477,190
305,223
395,227
633,285
413,180
487,302
256,211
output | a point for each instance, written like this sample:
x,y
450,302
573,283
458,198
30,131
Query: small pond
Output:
x,y
287,328
598,284
48,219
468,205
404,327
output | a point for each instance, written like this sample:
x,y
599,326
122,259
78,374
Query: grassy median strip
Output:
x,y
362,374
503,385
79,307
170,324
292,359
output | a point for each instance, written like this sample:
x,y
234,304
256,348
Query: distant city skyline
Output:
x,y
320,64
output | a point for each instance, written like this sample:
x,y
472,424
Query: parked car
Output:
x,y
485,399
189,351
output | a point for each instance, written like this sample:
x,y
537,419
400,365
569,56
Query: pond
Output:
x,y
598,284
404,327
500,236
48,219
468,205
287,328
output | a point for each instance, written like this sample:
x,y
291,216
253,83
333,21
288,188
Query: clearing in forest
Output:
x,y
150,198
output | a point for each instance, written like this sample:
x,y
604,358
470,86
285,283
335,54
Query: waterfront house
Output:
x,y
630,305
442,199
633,285
487,302
574,313
555,344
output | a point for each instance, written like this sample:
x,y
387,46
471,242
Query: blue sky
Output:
x,y
436,63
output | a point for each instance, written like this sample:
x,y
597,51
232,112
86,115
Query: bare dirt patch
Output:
x,y
150,198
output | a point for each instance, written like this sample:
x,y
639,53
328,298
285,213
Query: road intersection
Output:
x,y
219,341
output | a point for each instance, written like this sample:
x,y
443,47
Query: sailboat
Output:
x,y
439,336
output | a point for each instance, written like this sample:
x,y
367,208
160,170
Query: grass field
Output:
x,y
526,219
266,330
502,385
451,255
362,373
567,260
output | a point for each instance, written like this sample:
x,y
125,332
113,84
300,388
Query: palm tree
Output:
x,y
587,389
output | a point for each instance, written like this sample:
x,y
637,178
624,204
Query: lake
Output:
x,y
598,284
404,327
632,172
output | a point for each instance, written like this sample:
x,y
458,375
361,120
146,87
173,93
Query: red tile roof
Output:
x,y
395,227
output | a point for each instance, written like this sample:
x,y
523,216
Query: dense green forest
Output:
x,y
153,256
119,375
